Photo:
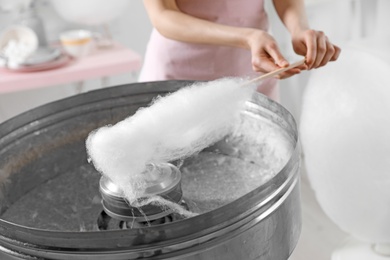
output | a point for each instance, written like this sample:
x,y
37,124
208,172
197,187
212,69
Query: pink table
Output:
x,y
99,64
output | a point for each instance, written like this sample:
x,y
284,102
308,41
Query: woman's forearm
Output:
x,y
174,24
293,15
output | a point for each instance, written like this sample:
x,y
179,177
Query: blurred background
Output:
x,y
361,23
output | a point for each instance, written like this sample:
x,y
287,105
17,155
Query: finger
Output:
x,y
273,51
328,55
303,67
311,46
293,71
336,53
321,49
263,64
289,73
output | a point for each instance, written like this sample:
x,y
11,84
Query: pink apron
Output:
x,y
167,59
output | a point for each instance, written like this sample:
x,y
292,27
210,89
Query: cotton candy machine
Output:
x,y
54,204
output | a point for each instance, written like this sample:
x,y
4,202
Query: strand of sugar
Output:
x,y
172,127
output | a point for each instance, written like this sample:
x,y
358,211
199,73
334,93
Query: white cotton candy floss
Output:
x,y
345,133
172,127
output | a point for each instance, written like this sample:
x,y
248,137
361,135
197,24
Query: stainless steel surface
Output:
x,y
42,144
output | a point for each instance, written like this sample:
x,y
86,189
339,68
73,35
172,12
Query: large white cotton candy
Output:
x,y
173,127
345,132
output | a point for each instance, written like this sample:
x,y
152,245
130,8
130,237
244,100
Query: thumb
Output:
x,y
277,56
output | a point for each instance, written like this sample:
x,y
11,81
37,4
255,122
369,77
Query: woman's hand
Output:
x,y
312,44
266,56
316,47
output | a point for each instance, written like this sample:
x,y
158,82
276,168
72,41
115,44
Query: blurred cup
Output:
x,y
77,43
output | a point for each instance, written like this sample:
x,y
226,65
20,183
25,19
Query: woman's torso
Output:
x,y
169,59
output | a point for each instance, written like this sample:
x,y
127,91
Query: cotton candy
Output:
x,y
172,127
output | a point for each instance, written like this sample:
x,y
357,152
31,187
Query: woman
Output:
x,y
210,39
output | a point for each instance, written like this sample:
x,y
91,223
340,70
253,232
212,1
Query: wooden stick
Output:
x,y
275,72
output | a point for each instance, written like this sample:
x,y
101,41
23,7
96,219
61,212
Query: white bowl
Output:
x,y
77,43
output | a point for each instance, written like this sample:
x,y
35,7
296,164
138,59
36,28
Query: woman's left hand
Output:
x,y
316,47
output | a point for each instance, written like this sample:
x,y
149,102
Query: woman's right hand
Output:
x,y
266,56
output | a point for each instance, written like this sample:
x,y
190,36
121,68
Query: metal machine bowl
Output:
x,y
42,144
